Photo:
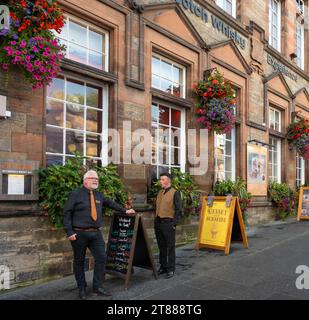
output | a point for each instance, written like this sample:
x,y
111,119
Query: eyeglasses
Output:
x,y
90,178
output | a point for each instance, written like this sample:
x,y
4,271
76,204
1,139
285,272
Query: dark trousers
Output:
x,y
95,243
165,234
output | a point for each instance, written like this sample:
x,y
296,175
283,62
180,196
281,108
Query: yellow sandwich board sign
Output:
x,y
220,223
303,204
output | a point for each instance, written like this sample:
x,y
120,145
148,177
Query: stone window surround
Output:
x,y
222,4
274,122
300,170
99,30
278,141
176,64
182,145
232,140
104,107
278,47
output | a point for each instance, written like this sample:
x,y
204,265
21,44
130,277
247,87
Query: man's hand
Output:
x,y
130,211
72,237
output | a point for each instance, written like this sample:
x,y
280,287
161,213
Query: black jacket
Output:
x,y
77,210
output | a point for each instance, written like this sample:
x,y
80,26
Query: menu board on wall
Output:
x,y
128,246
303,204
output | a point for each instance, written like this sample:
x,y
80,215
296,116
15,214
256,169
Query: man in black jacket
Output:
x,y
82,222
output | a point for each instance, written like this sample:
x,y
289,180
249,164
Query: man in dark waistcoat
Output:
x,y
168,213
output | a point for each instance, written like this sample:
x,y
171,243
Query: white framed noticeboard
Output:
x,y
16,184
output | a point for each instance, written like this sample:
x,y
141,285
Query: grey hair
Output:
x,y
89,173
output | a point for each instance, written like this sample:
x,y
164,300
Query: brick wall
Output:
x,y
35,252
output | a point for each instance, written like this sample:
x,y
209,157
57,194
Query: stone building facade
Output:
x,y
137,62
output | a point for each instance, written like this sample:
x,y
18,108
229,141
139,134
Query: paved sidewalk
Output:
x,y
264,271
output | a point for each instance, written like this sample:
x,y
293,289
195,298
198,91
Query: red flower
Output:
x,y
214,82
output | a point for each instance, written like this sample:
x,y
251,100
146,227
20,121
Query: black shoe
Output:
x,y
82,293
102,292
162,271
169,274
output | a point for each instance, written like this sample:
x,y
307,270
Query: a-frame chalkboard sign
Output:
x,y
128,246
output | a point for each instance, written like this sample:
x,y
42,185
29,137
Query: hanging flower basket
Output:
x,y
298,137
30,43
216,104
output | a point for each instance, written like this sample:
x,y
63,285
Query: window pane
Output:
x,y
164,115
54,113
78,53
163,154
96,60
177,74
56,89
175,156
54,140
93,145
74,142
166,86
175,137
75,116
228,148
92,97
164,135
94,122
155,65
51,159
166,70
175,118
75,92
95,41
155,82
154,113
228,164
77,34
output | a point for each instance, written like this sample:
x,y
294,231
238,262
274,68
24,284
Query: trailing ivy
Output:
x,y
183,182
57,181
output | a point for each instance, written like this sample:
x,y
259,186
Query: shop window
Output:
x,y
168,139
85,44
76,113
275,159
274,119
225,150
300,48
275,24
228,6
300,171
168,76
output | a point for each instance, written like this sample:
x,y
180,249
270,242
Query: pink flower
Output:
x,y
13,43
23,44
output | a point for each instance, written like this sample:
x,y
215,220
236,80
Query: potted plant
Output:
x,y
30,44
298,137
216,103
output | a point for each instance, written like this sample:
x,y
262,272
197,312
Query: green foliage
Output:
x,y
183,182
237,188
57,181
284,197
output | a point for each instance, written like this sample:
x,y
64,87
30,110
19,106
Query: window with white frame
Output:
x,y
225,151
300,47
85,43
76,113
300,170
275,159
274,119
168,76
168,138
275,24
228,6
300,6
